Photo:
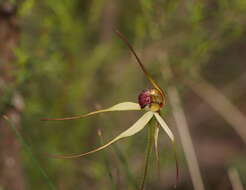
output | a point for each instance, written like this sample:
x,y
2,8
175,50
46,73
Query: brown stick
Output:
x,y
184,133
221,104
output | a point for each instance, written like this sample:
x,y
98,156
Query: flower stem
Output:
x,y
148,153
177,164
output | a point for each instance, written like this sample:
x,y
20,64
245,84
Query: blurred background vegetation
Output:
x,y
62,57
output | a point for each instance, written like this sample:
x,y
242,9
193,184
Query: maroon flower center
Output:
x,y
144,98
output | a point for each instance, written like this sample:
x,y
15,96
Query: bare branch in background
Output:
x,y
235,179
221,104
184,133
233,90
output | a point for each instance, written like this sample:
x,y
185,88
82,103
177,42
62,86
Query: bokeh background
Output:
x,y
62,57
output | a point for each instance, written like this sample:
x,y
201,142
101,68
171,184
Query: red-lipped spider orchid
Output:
x,y
152,100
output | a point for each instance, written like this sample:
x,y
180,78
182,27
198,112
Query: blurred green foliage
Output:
x,y
67,67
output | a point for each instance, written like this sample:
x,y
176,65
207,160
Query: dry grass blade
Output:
x,y
235,179
184,133
233,90
186,140
221,104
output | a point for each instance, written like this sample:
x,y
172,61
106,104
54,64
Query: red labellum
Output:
x,y
144,98
151,98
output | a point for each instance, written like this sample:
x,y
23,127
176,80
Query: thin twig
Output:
x,y
221,104
184,133
235,179
233,90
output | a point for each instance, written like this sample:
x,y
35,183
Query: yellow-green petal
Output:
x,y
124,106
135,128
164,126
156,135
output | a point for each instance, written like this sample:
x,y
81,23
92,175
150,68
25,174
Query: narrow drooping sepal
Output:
x,y
124,106
156,135
149,77
135,128
164,126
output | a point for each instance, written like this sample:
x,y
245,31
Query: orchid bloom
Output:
x,y
152,100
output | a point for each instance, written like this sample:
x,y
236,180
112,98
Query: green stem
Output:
x,y
129,175
148,153
177,164
29,151
125,165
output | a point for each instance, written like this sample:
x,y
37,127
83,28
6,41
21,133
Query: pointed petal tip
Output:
x,y
135,128
124,106
164,126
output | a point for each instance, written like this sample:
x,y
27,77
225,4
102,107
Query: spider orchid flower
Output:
x,y
151,100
